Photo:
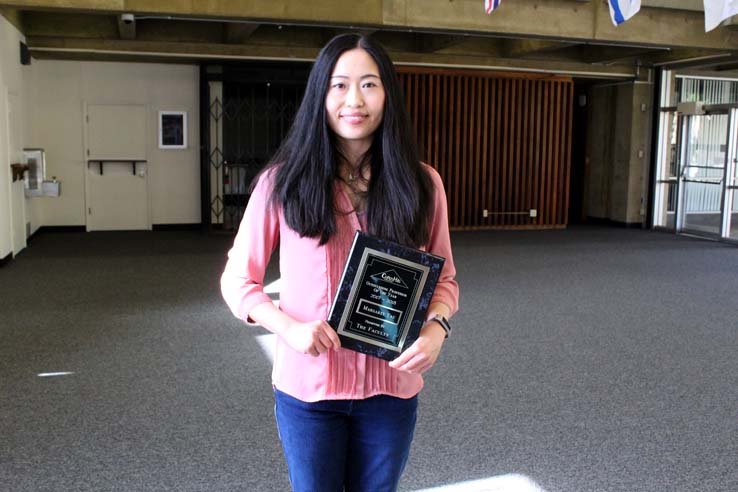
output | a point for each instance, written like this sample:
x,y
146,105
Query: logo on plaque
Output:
x,y
391,277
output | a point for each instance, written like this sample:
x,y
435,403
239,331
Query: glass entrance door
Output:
x,y
696,177
704,153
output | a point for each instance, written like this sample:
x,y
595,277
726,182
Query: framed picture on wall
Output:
x,y
172,129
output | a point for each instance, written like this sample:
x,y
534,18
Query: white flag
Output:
x,y
491,5
622,10
716,11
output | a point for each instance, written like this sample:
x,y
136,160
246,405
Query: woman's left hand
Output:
x,y
423,353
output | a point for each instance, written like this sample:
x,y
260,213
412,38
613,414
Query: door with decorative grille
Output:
x,y
250,112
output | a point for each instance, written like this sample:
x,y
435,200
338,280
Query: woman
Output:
x,y
345,419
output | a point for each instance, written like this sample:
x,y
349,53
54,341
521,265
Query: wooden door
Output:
x,y
116,171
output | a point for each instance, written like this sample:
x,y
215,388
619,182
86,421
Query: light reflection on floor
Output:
x,y
267,343
502,483
273,287
54,374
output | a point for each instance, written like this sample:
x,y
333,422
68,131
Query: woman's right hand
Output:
x,y
311,338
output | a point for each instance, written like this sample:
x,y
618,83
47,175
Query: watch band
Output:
x,y
443,322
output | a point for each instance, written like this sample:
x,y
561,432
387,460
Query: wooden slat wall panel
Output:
x,y
501,142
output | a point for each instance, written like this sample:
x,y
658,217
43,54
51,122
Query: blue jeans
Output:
x,y
351,445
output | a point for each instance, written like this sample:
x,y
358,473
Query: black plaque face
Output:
x,y
382,300
384,294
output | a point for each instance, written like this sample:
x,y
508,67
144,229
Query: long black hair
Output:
x,y
400,193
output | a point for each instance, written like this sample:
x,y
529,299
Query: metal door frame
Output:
x,y
684,123
731,174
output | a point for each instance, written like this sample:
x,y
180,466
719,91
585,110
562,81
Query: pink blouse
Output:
x,y
310,275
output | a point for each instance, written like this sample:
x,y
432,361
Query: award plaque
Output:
x,y
383,296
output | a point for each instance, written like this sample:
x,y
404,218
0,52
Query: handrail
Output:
x,y
703,181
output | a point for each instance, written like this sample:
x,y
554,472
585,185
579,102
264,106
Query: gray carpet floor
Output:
x,y
591,359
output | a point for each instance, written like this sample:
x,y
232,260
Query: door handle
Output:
x,y
703,181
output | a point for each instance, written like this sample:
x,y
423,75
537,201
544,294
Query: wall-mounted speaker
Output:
x,y
25,54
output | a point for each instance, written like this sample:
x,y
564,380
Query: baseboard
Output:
x,y
614,223
155,227
176,227
53,230
6,260
60,229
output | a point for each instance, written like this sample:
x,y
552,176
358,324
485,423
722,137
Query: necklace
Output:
x,y
355,186
355,178
354,175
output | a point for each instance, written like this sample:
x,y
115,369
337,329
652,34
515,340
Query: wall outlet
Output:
x,y
485,213
533,212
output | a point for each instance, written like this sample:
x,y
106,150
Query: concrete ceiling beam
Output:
x,y
719,62
431,43
521,48
687,57
239,33
14,16
696,5
607,54
66,48
360,12
566,20
66,24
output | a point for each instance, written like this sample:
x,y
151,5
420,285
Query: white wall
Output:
x,y
41,106
5,193
56,126
12,115
59,90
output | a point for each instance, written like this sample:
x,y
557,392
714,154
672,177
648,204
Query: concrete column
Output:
x,y
618,150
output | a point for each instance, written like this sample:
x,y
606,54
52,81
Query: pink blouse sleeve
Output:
x,y
242,282
447,289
